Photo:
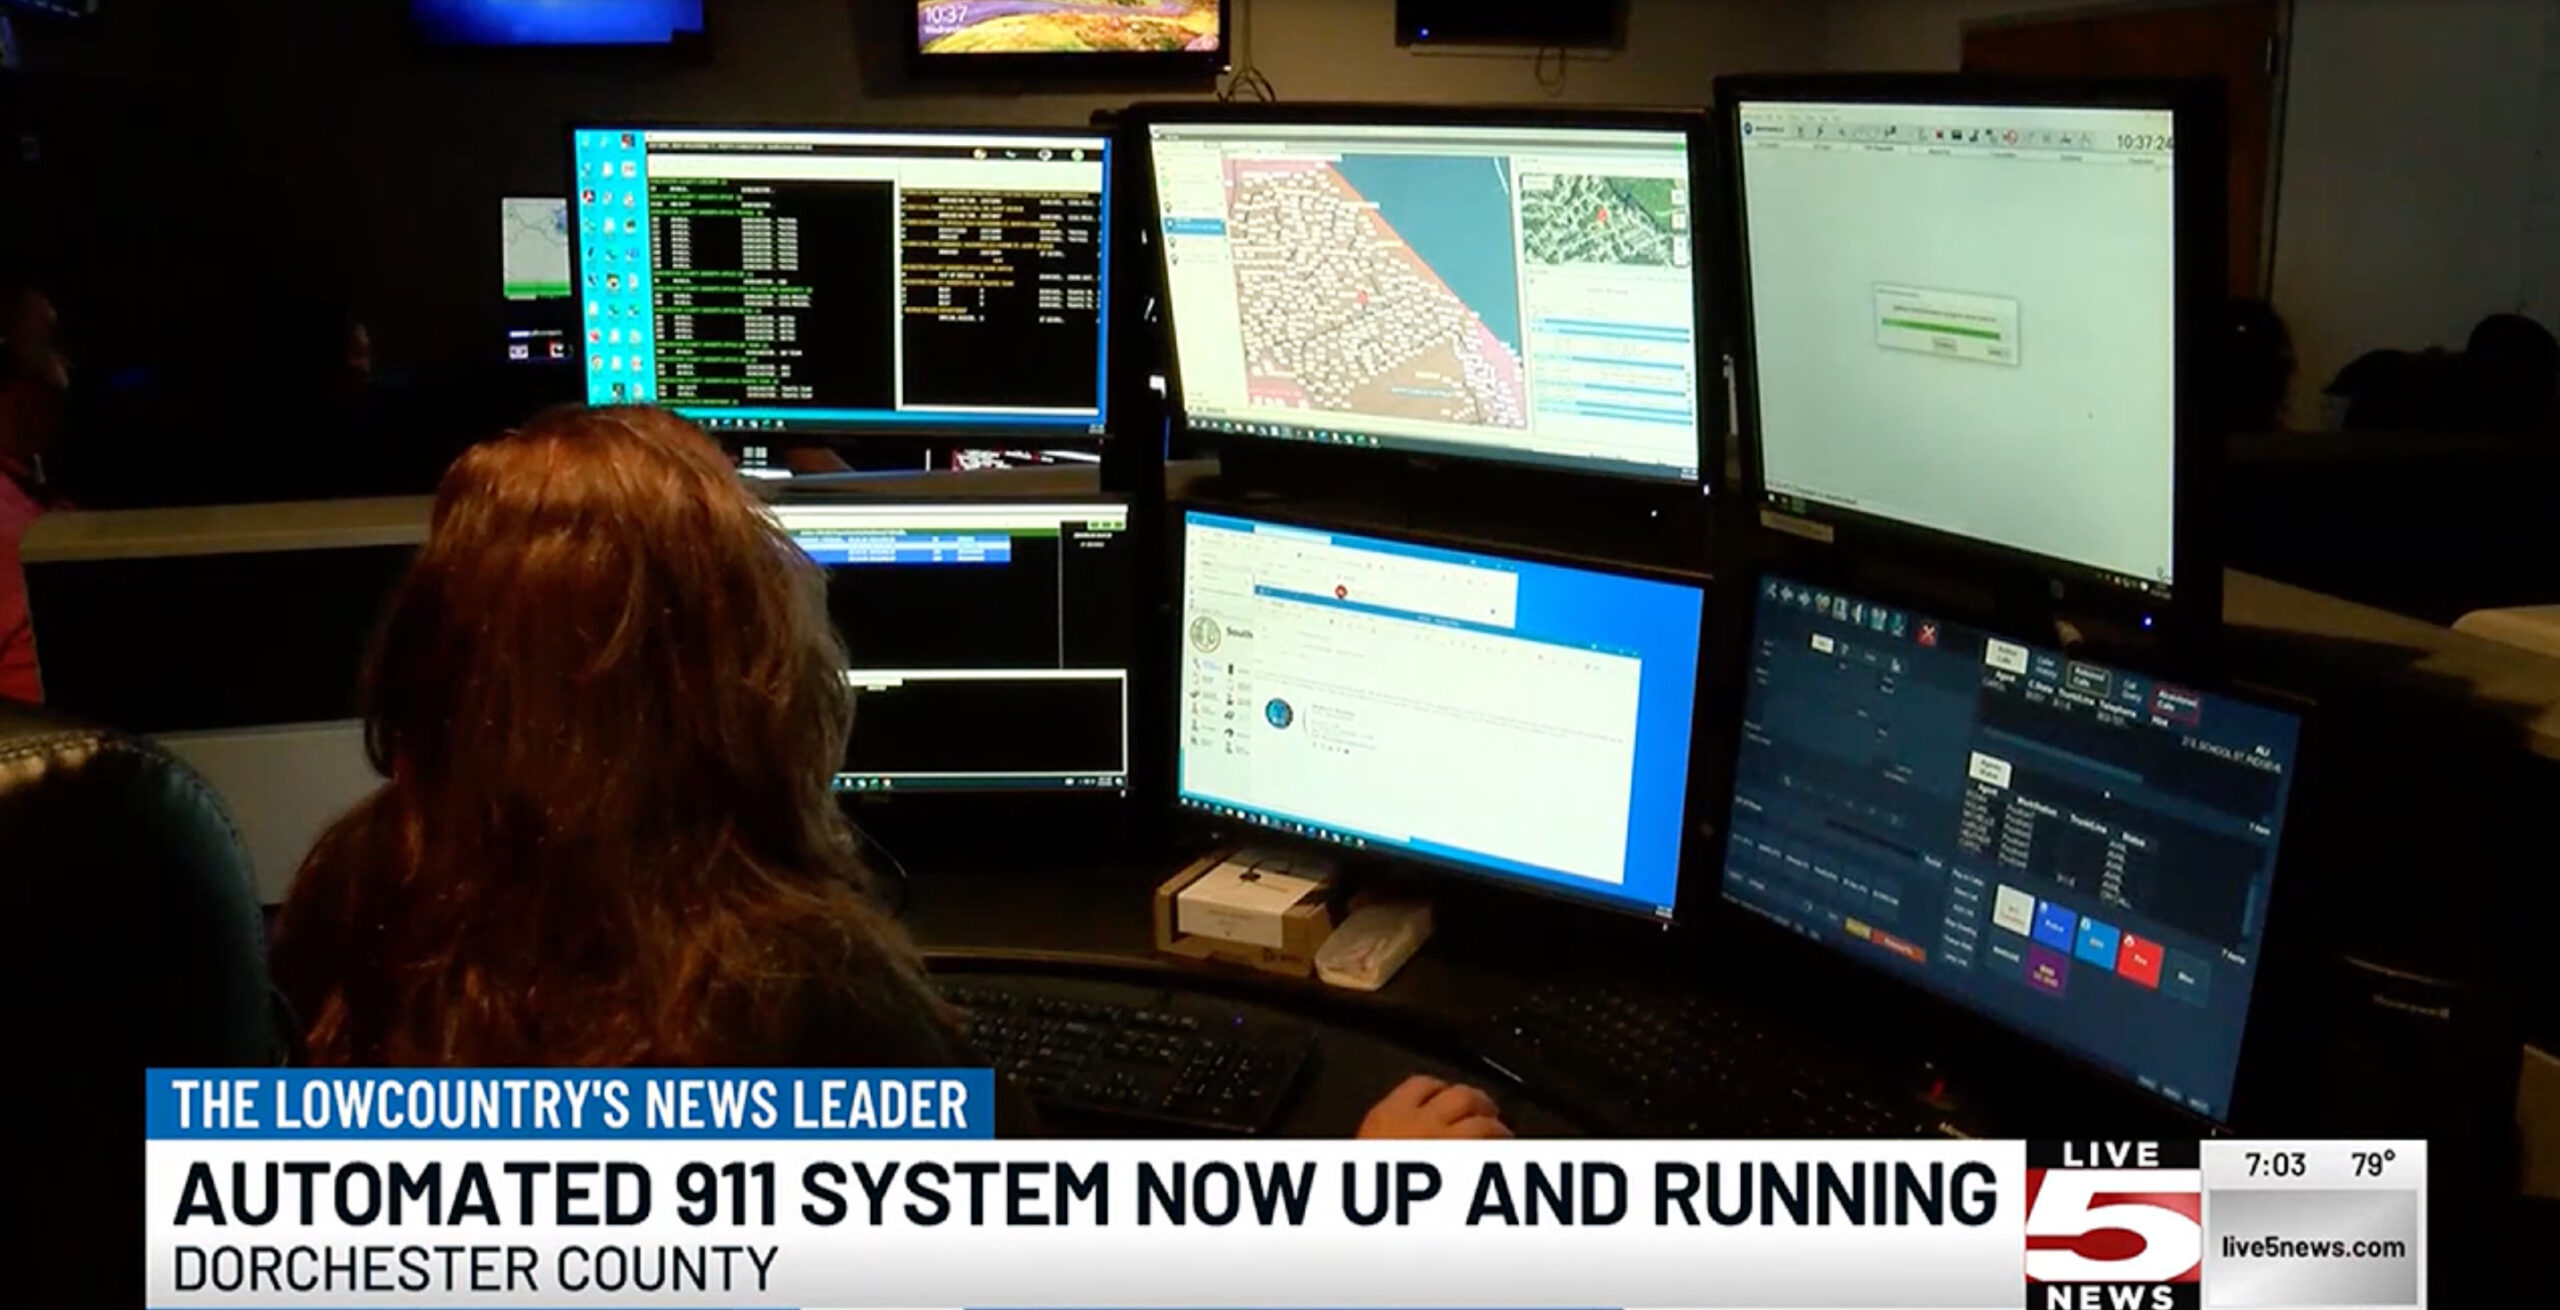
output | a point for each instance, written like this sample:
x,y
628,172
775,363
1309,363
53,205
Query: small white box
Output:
x,y
1245,900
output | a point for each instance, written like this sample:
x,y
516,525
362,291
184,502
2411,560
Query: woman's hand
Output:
x,y
1424,1107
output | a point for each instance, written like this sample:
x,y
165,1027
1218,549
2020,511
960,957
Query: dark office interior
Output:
x,y
1703,568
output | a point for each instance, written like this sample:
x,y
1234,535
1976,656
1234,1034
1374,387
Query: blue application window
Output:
x,y
2079,852
1519,720
847,282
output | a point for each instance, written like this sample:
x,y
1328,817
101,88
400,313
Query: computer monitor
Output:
x,y
1963,316
914,282
533,247
1525,293
989,641
537,280
2084,854
1494,715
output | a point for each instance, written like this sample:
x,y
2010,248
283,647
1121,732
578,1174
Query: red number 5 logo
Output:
x,y
2114,1225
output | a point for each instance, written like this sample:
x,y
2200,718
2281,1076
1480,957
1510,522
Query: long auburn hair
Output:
x,y
608,701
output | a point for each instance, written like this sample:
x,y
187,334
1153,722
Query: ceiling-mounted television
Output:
x,y
1103,38
559,22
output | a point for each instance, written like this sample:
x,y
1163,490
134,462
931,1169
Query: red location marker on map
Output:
x,y
1604,213
1341,592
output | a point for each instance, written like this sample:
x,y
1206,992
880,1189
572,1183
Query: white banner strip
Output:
x,y
880,1224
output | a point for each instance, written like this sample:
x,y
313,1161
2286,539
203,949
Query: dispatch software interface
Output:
x,y
1526,295
989,641
795,280
1963,321
1517,719
2079,851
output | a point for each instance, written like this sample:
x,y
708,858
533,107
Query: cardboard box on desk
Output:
x,y
1280,938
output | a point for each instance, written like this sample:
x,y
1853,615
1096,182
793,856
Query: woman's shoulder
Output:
x,y
852,992
879,1010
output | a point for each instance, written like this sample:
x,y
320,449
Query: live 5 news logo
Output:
x,y
2114,1226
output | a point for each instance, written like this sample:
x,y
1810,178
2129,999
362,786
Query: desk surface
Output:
x,y
2360,643
2372,647
1094,923
1093,920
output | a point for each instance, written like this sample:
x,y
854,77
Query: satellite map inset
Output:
x,y
1342,312
1065,27
1583,218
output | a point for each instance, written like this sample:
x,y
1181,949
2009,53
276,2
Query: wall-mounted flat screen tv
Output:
x,y
559,22
1097,37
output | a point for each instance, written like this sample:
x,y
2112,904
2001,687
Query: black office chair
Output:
x,y
134,942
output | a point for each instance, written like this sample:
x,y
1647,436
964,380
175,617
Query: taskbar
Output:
x,y
1802,514
1471,450
880,784
1293,827
879,422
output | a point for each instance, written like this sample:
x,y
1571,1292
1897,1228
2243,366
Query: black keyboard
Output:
x,y
1676,1065
1189,1067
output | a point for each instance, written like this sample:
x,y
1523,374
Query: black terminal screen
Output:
x,y
846,282
990,642
2081,853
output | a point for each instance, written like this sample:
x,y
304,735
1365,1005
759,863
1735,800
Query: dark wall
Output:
x,y
204,152
200,157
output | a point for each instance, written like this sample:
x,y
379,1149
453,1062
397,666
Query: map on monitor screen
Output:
x,y
1380,284
534,256
1517,293
1066,27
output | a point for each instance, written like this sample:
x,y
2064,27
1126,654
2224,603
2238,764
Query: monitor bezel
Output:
x,y
932,433
2192,610
1134,695
1168,643
1328,461
2279,1028
1147,66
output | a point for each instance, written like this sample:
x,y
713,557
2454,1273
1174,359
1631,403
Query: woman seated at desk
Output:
x,y
609,703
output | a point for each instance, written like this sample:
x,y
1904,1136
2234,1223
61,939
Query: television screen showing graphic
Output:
x,y
1069,27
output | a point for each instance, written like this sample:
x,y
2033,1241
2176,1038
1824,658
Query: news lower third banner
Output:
x,y
866,1189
